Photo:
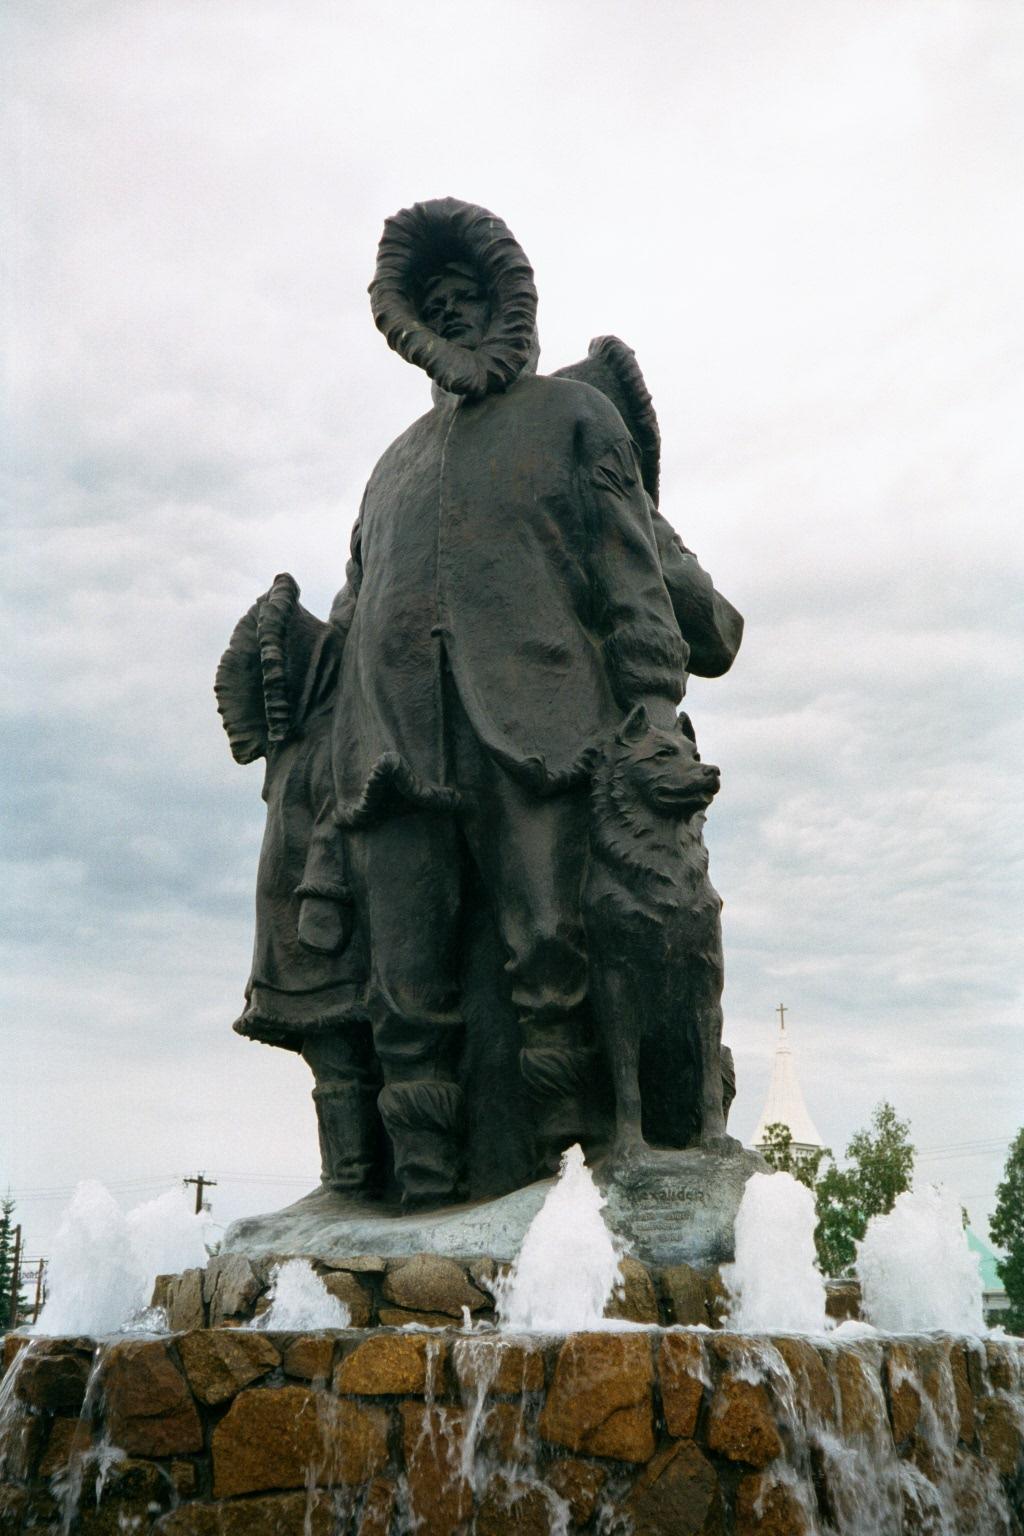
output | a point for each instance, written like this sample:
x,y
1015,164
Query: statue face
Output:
x,y
663,768
457,309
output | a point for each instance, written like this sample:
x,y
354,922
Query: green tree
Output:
x,y
881,1167
8,1308
883,1158
779,1153
1007,1229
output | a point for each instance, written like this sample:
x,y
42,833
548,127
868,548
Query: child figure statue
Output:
x,y
306,992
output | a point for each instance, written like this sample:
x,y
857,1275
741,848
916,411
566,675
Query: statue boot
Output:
x,y
349,1130
423,1120
554,1066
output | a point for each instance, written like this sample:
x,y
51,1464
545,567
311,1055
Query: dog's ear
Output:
x,y
686,726
634,727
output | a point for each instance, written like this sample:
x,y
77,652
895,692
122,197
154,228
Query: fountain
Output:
x,y
484,920
568,1267
553,1417
103,1263
298,1301
774,1282
915,1268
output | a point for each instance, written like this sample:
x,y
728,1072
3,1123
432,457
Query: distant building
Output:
x,y
785,1102
995,1300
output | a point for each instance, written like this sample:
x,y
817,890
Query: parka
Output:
x,y
506,536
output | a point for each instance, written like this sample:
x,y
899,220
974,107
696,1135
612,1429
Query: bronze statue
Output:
x,y
516,612
654,937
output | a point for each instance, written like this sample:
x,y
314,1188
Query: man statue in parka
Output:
x,y
505,609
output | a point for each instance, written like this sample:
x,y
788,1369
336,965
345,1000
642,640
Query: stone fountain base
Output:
x,y
234,1291
228,1432
669,1208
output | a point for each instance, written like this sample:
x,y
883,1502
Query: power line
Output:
x,y
44,1191
269,1178
154,1181
65,1192
957,1146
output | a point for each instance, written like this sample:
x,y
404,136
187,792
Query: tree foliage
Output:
x,y
1007,1229
881,1160
779,1153
841,1221
7,1300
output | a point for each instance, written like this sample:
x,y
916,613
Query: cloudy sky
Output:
x,y
806,219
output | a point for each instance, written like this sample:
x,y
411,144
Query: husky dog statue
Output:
x,y
654,936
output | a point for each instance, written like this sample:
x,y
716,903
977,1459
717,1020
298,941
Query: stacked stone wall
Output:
x,y
435,1292
376,1432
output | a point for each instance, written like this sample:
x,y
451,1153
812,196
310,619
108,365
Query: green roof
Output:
x,y
987,1262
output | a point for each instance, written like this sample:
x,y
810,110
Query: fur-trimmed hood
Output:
x,y
611,367
279,668
415,244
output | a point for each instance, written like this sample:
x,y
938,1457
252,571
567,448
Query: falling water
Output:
x,y
916,1269
775,1284
15,1424
99,1457
497,1440
568,1266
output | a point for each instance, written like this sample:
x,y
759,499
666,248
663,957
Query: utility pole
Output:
x,y
16,1276
782,1010
201,1182
40,1272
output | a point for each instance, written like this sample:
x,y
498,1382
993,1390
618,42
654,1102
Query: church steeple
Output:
x,y
785,1102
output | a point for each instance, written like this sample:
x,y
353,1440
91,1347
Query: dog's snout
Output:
x,y
713,775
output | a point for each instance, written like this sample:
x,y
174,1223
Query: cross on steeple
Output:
x,y
785,1104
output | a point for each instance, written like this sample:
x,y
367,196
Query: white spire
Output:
x,y
785,1102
